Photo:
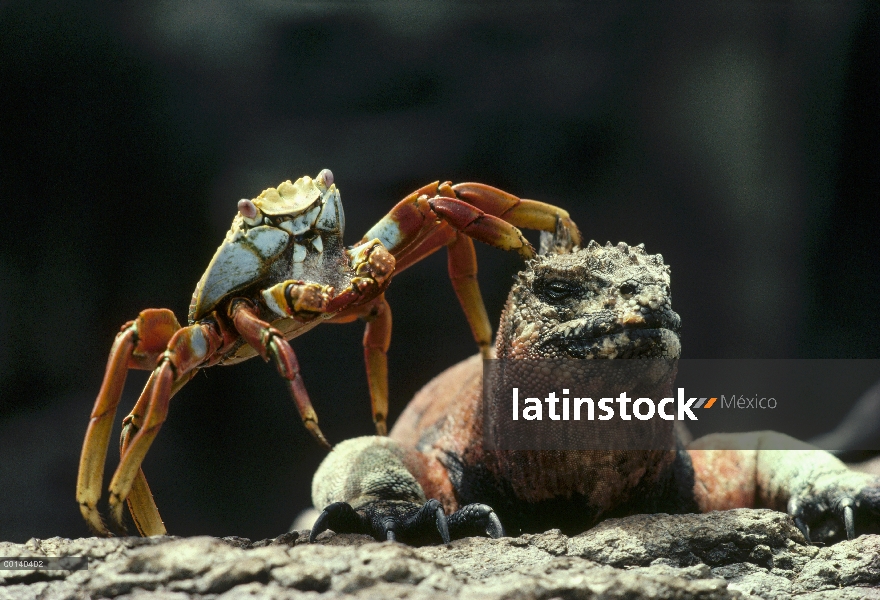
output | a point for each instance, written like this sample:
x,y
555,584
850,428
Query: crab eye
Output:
x,y
558,290
326,176
247,208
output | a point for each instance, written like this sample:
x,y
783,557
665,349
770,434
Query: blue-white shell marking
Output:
x,y
294,217
243,258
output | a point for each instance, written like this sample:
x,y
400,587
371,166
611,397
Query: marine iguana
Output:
x,y
598,302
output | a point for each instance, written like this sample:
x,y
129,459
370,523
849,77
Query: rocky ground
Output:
x,y
734,554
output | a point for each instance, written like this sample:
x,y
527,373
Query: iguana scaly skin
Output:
x,y
610,302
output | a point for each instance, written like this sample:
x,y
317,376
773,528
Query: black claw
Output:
x,y
408,522
387,527
849,522
796,510
320,525
845,511
442,525
339,517
805,529
494,530
475,520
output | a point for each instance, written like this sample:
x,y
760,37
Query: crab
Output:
x,y
282,270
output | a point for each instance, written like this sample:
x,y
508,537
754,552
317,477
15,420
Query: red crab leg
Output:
x,y
377,338
137,346
481,226
140,501
411,221
187,349
419,226
270,343
528,214
462,266
439,237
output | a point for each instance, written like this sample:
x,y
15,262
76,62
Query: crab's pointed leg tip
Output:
x,y
94,521
318,435
116,519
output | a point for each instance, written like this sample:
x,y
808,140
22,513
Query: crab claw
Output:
x,y
332,218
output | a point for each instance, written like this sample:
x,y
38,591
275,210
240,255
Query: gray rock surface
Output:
x,y
734,554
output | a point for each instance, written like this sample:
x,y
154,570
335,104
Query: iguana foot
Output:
x,y
407,522
475,520
766,469
828,513
393,520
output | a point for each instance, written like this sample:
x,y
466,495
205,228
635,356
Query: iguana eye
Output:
x,y
629,287
558,290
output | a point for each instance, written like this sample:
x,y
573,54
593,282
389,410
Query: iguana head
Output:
x,y
595,302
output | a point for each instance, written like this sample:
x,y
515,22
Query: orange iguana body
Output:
x,y
608,302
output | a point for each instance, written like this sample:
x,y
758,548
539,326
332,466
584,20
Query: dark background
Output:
x,y
739,139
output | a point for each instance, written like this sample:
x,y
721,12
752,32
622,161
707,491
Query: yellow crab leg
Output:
x,y
377,339
94,451
462,266
188,348
528,214
143,508
136,346
140,501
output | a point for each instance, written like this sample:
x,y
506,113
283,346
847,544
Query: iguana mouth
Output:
x,y
609,335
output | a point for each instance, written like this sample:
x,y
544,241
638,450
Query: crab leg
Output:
x,y
377,338
462,266
140,501
528,214
137,346
188,348
270,343
418,226
431,243
297,298
141,506
406,224
409,223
